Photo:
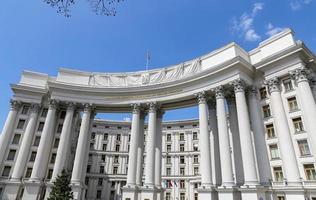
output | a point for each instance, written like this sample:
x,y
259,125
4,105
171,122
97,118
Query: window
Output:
x,y
195,147
101,169
196,196
16,139
6,171
168,147
25,110
105,136
181,147
168,137
99,192
196,159
53,158
36,141
181,126
56,143
33,156
181,137
263,93
195,137
40,126
119,127
21,124
288,85
168,196
168,127
116,159
28,173
104,147
114,170
86,181
49,174
292,104
182,184
168,160
44,112
62,114
103,158
92,135
168,171
182,160
278,174
118,137
266,111
91,146
59,128
112,195
117,147
196,171
303,146
182,196
100,181
280,198
129,138
270,131
310,172
298,124
11,154
274,152
89,168
182,172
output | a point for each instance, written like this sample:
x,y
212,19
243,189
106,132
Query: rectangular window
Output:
x,y
298,124
292,104
28,173
86,181
118,137
21,124
195,136
274,152
287,85
56,143
105,136
44,112
182,184
99,192
196,196
263,93
182,196
168,137
181,136
280,198
114,170
91,146
49,174
16,139
196,171
101,169
59,128
310,172
11,154
266,111
103,158
36,141
53,158
182,171
33,156
181,147
196,159
104,146
182,160
89,168
116,159
195,147
168,160
100,181
168,147
63,114
168,171
40,127
92,135
168,196
6,171
278,174
25,110
117,148
304,148
270,131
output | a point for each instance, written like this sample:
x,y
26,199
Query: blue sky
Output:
x,y
34,37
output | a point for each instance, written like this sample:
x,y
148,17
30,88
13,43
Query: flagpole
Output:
x,y
147,60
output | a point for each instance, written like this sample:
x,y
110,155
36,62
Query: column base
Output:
x,y
228,193
12,190
207,193
160,193
77,190
32,190
148,193
253,192
130,192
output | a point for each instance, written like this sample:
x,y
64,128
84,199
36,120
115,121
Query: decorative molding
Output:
x,y
219,92
14,104
87,107
273,85
201,97
152,107
239,85
136,108
300,75
35,108
71,106
52,104
252,91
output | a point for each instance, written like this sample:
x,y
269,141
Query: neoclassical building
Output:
x,y
254,137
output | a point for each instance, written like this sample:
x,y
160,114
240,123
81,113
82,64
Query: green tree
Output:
x,y
61,189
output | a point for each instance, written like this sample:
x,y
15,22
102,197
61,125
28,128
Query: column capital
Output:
x,y
35,107
273,84
71,106
253,91
136,108
219,92
52,104
152,107
300,75
14,104
201,97
239,85
87,107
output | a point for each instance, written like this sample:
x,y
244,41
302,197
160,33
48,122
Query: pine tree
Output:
x,y
61,189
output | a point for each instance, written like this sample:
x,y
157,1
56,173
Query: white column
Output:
x,y
204,142
215,158
63,146
45,145
259,137
223,137
282,128
82,147
26,143
7,130
306,98
247,150
158,146
140,151
150,146
132,159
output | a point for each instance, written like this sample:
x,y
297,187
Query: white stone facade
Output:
x,y
254,137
